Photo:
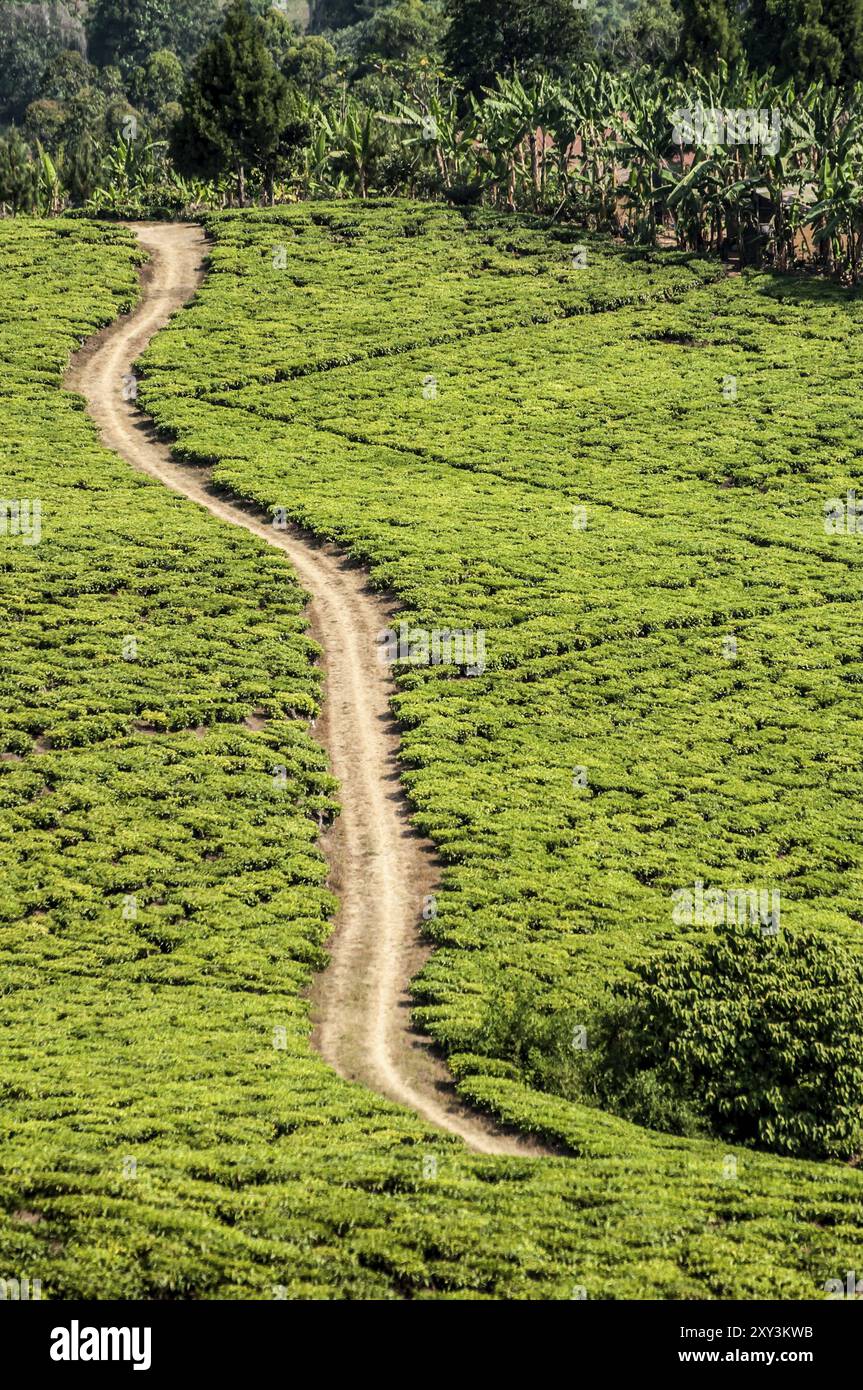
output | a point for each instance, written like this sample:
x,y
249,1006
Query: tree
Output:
x,y
308,60
310,63
19,175
753,1037
238,109
83,168
709,33
844,18
45,121
30,36
400,31
126,32
630,35
333,14
85,115
807,39
159,81
65,76
111,82
523,38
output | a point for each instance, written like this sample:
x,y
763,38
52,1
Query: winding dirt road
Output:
x,y
379,867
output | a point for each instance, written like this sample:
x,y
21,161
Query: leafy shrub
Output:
x,y
757,1036
542,1047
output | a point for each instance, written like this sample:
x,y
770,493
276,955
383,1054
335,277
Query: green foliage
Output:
x,y
257,1168
487,38
542,1050
66,75
334,14
238,109
31,35
45,121
307,60
810,40
83,169
632,35
127,32
709,33
757,1034
402,32
406,31
159,81
19,174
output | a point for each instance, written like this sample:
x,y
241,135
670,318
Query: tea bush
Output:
x,y
618,474
167,1130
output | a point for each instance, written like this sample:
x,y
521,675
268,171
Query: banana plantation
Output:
x,y
735,164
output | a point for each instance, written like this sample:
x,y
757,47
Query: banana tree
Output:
x,y
526,112
563,124
348,134
832,126
432,122
50,183
645,149
838,215
318,178
499,137
598,98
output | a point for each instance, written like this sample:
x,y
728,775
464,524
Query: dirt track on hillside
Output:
x,y
379,867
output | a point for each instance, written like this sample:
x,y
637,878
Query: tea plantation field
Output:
x,y
521,435
613,489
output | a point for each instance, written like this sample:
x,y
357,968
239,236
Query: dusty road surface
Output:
x,y
379,867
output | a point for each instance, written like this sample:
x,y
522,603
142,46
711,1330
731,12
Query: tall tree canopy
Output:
x,y
126,32
807,39
30,36
527,37
710,33
334,14
238,109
